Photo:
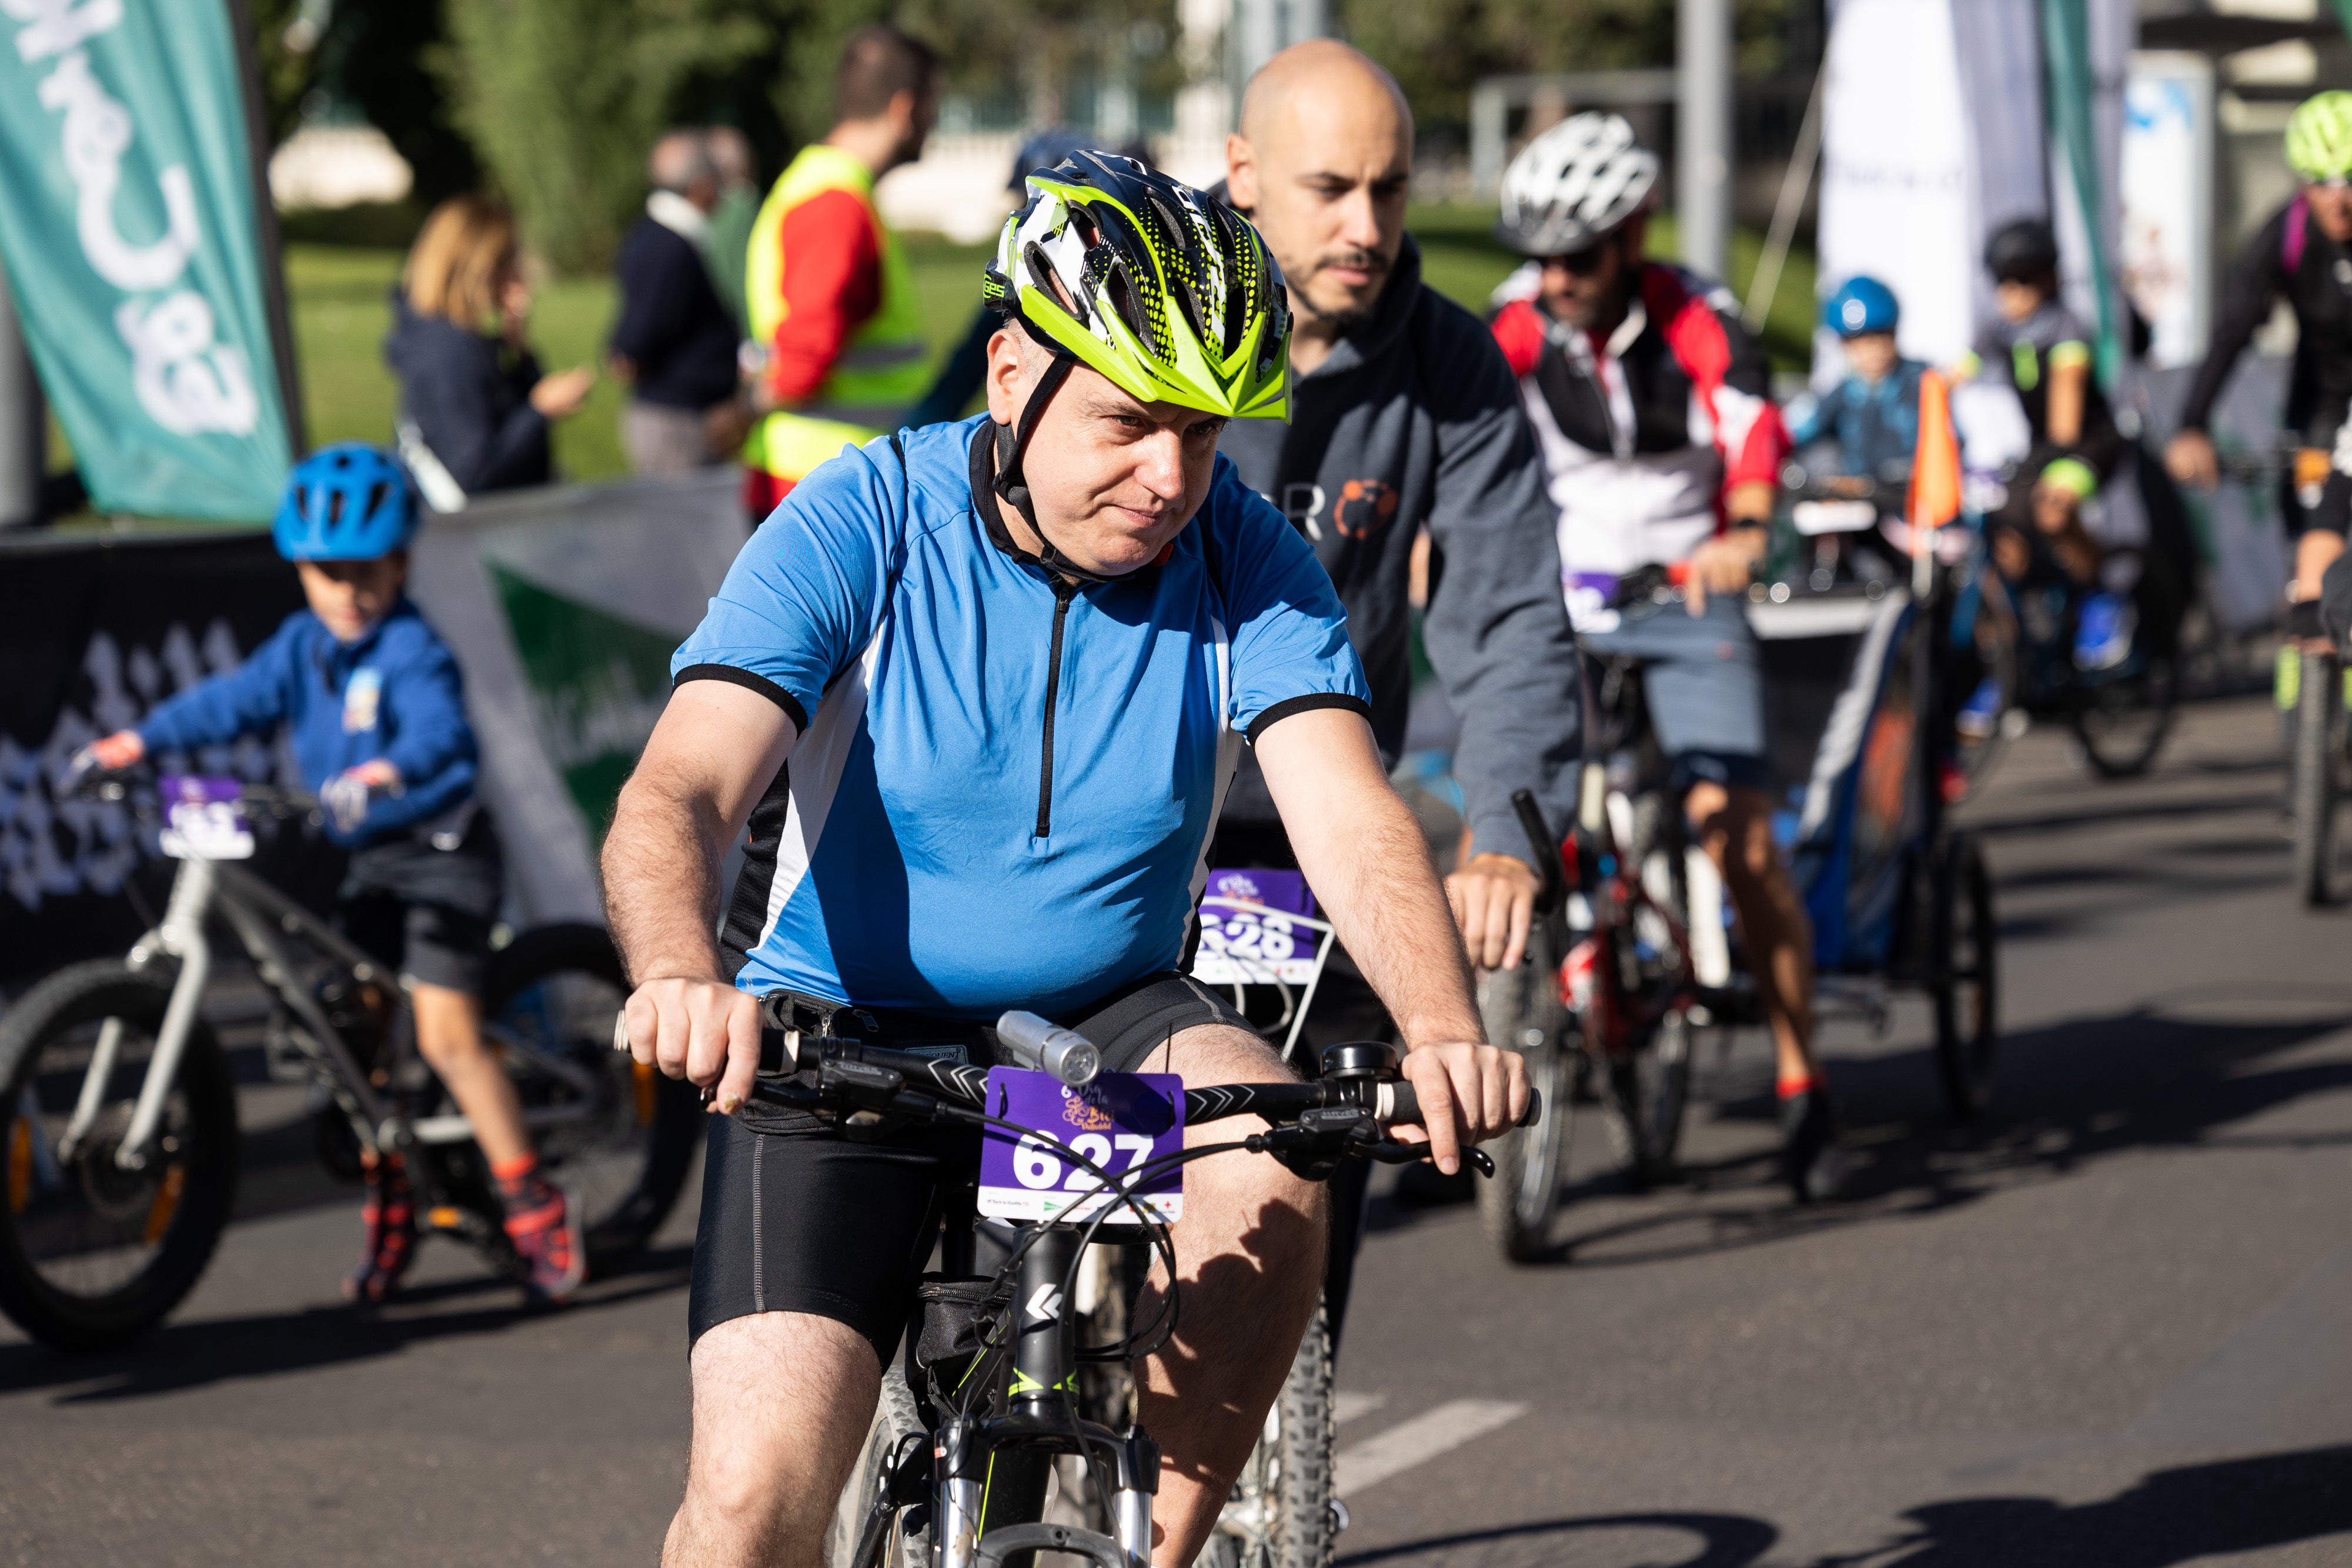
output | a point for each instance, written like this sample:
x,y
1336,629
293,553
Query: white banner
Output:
x,y
1896,171
2167,201
563,605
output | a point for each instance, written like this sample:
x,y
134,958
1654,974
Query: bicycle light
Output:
x,y
1029,1041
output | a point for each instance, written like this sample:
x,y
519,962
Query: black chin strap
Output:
x,y
1012,487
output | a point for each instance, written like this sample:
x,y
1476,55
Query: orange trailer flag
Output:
x,y
1935,467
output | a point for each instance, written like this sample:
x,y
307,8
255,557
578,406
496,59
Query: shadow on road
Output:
x,y
2084,1089
1718,1541
2169,1518
184,1356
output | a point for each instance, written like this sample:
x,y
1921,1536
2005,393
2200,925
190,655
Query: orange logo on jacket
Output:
x,y
1365,508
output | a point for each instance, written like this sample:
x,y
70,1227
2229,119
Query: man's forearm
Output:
x,y
1383,895
661,882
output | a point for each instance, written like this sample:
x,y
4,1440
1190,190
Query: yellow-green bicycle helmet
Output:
x,y
1166,290
2319,137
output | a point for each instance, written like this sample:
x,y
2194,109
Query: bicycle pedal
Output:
x,y
444,1216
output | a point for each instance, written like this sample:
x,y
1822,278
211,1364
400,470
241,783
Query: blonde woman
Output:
x,y
474,408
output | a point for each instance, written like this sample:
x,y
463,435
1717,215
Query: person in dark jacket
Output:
x,y
674,343
474,407
2303,256
1405,422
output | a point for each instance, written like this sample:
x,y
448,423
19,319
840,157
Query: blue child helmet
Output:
x,y
345,502
1862,305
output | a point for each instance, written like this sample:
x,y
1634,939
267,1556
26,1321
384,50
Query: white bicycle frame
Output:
x,y
259,913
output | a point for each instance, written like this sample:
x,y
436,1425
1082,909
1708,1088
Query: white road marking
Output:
x,y
1348,1404
1419,1440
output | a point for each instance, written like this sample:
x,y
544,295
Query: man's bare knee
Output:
x,y
782,1401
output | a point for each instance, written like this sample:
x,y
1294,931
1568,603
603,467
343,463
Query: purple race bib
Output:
x,y
1120,1121
202,819
1257,929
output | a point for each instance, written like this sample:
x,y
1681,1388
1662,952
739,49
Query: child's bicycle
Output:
x,y
118,1106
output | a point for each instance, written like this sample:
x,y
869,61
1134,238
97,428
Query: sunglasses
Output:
x,y
1580,263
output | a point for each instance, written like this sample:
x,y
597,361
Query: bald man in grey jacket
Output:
x,y
1404,418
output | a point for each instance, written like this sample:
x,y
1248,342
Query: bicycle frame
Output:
x,y
260,915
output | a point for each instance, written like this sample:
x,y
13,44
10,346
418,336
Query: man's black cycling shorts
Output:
x,y
801,1216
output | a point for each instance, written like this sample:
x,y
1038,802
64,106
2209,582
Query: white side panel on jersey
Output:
x,y
816,764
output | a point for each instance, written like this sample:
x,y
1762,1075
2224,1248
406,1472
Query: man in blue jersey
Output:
x,y
976,692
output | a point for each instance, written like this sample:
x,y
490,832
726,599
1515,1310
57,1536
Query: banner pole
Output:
x,y
264,217
23,429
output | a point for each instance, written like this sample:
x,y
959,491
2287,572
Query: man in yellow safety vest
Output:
x,y
827,289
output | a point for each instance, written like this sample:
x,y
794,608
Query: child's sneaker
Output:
x,y
388,1230
2103,633
545,1225
1981,714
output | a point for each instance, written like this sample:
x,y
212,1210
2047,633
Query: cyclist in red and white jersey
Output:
x,y
1661,446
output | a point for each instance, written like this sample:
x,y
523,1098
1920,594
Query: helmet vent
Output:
x,y
335,499
1049,282
1122,295
377,494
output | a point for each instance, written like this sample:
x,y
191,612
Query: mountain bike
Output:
x,y
117,1106
962,1447
1627,971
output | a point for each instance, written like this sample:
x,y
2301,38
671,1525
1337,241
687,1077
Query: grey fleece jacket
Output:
x,y
1415,421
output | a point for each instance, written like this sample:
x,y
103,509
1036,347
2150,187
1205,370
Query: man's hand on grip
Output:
x,y
705,1032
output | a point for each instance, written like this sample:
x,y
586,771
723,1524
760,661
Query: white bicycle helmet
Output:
x,y
1573,184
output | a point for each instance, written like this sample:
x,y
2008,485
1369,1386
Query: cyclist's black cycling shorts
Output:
x,y
799,1216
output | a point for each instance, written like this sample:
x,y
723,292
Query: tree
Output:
x,y
563,98
1437,48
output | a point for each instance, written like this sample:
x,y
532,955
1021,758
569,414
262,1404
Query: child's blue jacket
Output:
x,y
394,693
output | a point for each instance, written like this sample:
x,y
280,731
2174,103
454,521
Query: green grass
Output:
x,y
343,308
341,304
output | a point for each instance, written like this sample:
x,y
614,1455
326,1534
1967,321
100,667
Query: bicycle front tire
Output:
x,y
93,1255
2319,735
896,1414
1282,1514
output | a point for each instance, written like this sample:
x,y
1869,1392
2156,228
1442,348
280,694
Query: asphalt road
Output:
x,y
2106,1325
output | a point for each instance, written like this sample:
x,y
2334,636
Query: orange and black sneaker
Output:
x,y
388,1230
543,1224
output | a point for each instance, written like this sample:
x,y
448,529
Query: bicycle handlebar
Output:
x,y
853,1073
1553,883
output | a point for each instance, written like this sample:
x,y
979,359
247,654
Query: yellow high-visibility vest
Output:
x,y
883,368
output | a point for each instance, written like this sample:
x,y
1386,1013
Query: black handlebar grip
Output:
x,y
1546,851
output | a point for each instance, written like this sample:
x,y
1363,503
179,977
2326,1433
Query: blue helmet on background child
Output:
x,y
1863,305
345,502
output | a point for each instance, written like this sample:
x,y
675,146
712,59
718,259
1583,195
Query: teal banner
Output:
x,y
129,230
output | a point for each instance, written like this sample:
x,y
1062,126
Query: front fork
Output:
x,y
1044,1382
182,935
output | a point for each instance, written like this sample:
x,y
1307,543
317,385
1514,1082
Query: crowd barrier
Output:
x,y
562,605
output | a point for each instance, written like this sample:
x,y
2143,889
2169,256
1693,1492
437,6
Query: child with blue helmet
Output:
x,y
1872,414
375,710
